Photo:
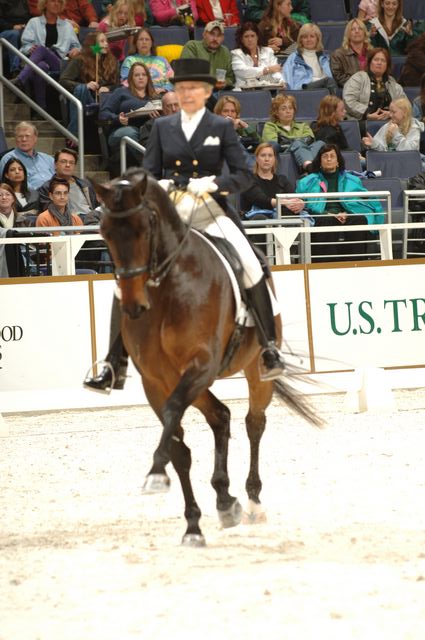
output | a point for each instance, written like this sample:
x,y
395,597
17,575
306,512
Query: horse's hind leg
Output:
x,y
218,417
260,394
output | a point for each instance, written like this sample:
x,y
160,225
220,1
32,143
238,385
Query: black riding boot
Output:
x,y
114,372
260,304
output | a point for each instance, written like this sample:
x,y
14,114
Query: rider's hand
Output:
x,y
199,186
165,184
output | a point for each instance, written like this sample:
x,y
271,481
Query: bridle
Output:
x,y
157,272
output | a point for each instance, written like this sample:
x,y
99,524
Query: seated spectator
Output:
x,y
389,29
251,63
11,261
288,135
419,102
401,133
352,55
414,67
14,14
368,9
254,10
89,74
142,49
15,175
260,199
416,237
226,11
278,30
167,12
122,101
58,212
230,107
82,197
46,40
80,13
39,165
367,94
328,176
120,15
211,48
170,105
327,127
309,66
142,12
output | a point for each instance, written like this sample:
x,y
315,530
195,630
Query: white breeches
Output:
x,y
208,216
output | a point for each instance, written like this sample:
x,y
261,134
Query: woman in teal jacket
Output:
x,y
329,175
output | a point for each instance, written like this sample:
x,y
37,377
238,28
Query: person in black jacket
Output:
x,y
14,14
327,127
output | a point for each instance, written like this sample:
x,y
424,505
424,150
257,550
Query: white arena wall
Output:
x,y
338,319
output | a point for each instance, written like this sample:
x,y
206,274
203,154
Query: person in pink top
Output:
x,y
120,15
224,10
368,9
168,12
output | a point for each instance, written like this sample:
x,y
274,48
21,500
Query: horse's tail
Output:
x,y
296,401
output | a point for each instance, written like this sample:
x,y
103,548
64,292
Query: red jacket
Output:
x,y
228,6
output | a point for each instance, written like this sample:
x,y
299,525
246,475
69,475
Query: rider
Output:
x,y
189,149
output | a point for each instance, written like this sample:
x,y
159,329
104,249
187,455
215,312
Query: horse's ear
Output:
x,y
142,185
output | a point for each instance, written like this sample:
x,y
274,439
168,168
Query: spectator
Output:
x,y
288,135
89,74
352,55
39,165
367,94
170,105
254,10
11,261
167,12
14,14
124,100
252,63
82,197
328,176
80,13
230,107
419,102
142,49
414,67
389,29
47,39
15,175
260,198
121,15
211,48
309,66
226,11
368,9
277,28
327,127
58,212
401,133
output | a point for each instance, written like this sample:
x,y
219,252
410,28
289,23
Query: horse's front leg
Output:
x,y
218,417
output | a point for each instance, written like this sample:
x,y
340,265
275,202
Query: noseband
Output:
x,y
157,272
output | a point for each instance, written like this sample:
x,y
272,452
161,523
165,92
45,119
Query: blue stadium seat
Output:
x,y
352,133
322,11
395,187
288,167
254,104
397,63
174,34
411,92
400,164
307,102
414,9
352,160
373,126
332,35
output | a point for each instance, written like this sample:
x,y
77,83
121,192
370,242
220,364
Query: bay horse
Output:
x,y
178,317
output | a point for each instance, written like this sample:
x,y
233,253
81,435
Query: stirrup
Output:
x,y
90,379
270,364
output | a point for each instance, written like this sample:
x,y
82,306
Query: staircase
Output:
x,y
49,139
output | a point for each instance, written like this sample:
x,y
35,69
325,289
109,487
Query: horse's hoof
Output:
x,y
156,483
254,514
193,540
232,516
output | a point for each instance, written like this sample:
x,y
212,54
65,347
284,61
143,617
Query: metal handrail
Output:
x,y
67,134
410,194
125,140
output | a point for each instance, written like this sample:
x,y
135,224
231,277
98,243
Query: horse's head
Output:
x,y
129,227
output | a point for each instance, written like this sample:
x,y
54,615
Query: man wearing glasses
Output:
x,y
82,198
40,166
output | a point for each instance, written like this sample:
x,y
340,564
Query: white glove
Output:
x,y
165,184
199,186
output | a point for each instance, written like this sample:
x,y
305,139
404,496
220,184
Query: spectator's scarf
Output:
x,y
64,219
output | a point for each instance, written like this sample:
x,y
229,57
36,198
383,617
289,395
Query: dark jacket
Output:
x,y
14,260
262,191
84,185
13,12
330,135
414,67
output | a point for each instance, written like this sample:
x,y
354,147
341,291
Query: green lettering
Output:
x,y
396,323
366,316
332,306
416,314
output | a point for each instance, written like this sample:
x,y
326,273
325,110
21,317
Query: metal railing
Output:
x,y
25,98
410,195
124,142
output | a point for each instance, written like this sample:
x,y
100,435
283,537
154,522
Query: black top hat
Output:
x,y
192,69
